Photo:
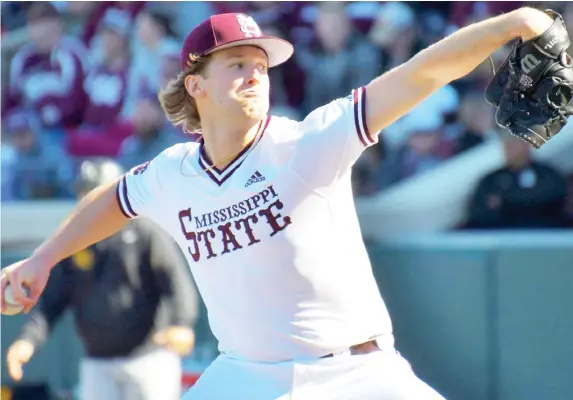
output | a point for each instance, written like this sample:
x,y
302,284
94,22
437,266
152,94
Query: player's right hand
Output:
x,y
18,354
30,272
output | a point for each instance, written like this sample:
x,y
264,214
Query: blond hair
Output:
x,y
179,107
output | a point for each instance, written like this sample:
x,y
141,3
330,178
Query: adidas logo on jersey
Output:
x,y
256,177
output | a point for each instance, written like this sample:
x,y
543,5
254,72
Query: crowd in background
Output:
x,y
80,79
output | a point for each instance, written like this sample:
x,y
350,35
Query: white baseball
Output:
x,y
11,306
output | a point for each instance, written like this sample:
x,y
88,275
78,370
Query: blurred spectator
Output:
x,y
169,70
76,15
102,130
522,194
94,12
431,27
151,134
153,35
106,83
48,74
169,63
185,14
287,14
267,12
394,34
280,102
134,304
425,147
475,123
363,14
437,108
36,168
338,62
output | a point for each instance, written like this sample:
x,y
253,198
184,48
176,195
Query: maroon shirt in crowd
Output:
x,y
52,83
105,89
103,129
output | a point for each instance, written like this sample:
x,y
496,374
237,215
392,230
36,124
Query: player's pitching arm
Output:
x,y
396,92
96,217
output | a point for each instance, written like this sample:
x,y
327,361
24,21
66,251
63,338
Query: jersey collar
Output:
x,y
219,176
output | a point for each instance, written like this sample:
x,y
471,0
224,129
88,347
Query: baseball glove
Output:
x,y
533,89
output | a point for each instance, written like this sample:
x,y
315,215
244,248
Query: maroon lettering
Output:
x,y
229,230
228,237
248,228
256,198
195,254
201,223
272,219
140,169
185,215
202,236
249,204
273,191
265,194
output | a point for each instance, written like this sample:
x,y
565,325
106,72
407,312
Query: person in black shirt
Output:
x,y
523,194
134,304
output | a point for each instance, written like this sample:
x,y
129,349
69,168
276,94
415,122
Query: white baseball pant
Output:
x,y
152,376
380,375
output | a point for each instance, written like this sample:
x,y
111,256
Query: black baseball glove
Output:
x,y
533,89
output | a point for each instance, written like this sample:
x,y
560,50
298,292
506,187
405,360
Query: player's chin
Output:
x,y
256,111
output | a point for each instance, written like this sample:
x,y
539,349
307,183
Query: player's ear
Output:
x,y
193,86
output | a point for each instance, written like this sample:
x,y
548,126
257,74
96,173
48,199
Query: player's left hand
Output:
x,y
533,90
179,339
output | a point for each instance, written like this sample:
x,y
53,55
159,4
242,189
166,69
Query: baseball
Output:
x,y
11,306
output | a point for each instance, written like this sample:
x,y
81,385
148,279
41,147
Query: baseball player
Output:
x,y
263,209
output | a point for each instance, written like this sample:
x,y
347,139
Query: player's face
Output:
x,y
237,81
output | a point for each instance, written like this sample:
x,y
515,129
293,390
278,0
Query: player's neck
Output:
x,y
225,139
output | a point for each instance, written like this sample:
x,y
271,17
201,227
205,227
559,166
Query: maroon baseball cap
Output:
x,y
223,31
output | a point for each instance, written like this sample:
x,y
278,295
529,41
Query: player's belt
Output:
x,y
362,348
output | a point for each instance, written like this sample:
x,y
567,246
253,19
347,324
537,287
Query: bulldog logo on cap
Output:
x,y
248,26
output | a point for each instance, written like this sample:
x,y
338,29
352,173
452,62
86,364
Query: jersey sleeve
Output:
x,y
138,190
332,138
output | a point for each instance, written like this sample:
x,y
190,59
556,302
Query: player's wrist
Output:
x,y
44,257
531,23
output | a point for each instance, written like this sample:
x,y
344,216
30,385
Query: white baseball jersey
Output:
x,y
273,239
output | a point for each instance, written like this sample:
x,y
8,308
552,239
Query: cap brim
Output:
x,y
278,50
